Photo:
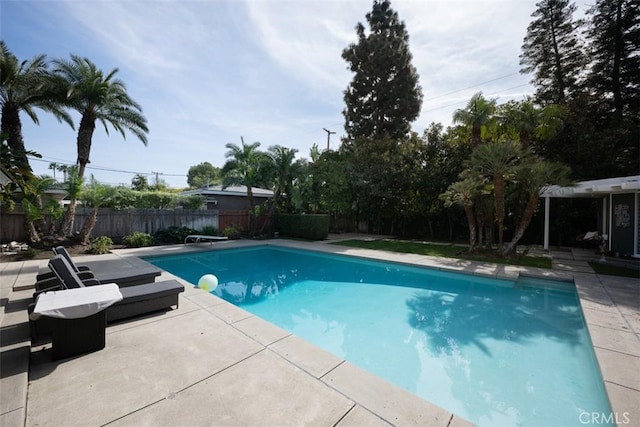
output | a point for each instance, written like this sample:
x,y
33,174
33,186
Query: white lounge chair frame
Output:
x,y
197,238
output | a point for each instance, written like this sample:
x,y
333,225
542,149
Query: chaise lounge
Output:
x,y
136,300
49,281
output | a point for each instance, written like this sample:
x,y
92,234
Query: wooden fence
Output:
x,y
119,223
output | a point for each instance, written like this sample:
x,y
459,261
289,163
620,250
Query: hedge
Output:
x,y
305,226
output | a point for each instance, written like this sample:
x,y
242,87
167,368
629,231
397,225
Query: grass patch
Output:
x,y
614,270
444,251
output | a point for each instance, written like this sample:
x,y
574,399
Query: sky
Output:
x,y
210,72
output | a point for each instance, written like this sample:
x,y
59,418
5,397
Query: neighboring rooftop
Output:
x,y
240,190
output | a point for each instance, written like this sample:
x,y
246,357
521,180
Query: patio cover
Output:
x,y
599,188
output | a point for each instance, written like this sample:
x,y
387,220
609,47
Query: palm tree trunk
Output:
x,y
67,219
85,134
532,203
30,232
471,221
87,227
498,188
12,129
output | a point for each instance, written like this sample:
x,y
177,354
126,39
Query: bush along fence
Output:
x,y
306,226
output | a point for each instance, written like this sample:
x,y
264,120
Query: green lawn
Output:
x,y
444,251
614,270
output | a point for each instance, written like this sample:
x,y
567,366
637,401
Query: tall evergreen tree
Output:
x,y
614,35
384,96
552,50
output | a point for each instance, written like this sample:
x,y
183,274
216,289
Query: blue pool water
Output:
x,y
497,352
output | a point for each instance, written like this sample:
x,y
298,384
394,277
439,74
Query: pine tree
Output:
x,y
384,96
614,35
552,50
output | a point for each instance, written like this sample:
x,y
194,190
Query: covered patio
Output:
x,y
619,210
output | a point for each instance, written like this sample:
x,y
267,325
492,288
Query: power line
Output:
x,y
471,87
102,168
462,102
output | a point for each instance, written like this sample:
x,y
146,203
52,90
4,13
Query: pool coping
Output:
x,y
610,305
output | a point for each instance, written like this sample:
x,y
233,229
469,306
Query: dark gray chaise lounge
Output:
x,y
137,300
126,277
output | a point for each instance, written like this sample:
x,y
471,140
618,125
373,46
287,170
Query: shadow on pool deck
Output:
x,y
210,362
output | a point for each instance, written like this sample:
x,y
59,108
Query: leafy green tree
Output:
x,y
203,175
476,116
384,96
97,97
552,50
140,183
614,35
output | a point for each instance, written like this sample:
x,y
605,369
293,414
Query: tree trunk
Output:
x,y
67,219
498,191
12,129
87,227
524,223
471,221
85,135
30,232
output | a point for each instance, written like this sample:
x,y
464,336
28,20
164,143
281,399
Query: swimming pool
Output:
x,y
493,351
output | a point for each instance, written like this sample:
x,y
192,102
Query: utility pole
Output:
x,y
157,179
329,133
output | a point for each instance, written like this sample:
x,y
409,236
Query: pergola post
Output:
x,y
547,205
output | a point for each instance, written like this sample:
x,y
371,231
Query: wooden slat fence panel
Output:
x,y
117,224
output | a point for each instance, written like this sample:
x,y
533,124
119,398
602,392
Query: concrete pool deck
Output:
x,y
211,363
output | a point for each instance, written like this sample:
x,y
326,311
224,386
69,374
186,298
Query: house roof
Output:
x,y
594,188
240,190
5,177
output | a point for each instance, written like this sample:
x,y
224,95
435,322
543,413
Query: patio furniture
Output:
x,y
136,300
76,318
197,238
125,277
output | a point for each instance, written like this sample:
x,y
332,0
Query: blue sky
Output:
x,y
208,72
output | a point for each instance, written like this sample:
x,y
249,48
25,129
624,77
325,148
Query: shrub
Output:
x,y
314,227
100,245
210,230
231,232
173,234
138,240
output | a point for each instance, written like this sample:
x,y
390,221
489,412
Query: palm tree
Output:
x,y
36,205
533,176
246,166
497,162
464,193
94,195
529,121
25,86
284,171
476,115
97,97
